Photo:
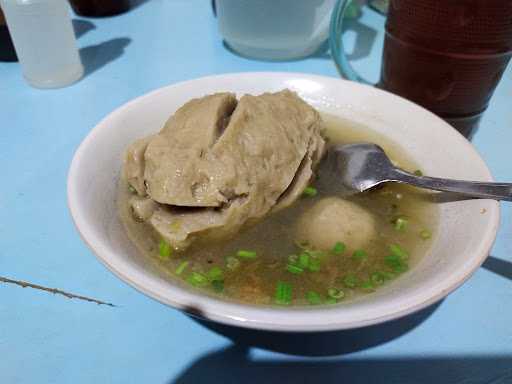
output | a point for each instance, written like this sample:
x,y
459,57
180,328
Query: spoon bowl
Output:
x,y
359,167
362,166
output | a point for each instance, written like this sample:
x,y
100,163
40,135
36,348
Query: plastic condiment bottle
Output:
x,y
44,40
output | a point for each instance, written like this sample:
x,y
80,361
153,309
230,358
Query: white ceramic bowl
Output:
x,y
466,234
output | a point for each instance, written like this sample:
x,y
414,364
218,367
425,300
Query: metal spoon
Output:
x,y
359,167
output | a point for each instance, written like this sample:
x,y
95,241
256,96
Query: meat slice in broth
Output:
x,y
174,157
233,162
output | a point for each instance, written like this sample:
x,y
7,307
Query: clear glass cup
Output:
x,y
274,29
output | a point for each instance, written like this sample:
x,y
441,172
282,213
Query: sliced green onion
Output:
x,y
304,260
396,263
400,223
218,285
338,248
359,255
400,267
350,281
131,189
418,172
377,278
197,279
164,249
232,263
313,298
293,259
331,300
244,254
309,192
179,270
335,293
367,286
392,258
397,250
283,295
216,273
425,234
296,270
314,265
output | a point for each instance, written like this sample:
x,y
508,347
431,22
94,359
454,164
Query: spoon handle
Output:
x,y
483,190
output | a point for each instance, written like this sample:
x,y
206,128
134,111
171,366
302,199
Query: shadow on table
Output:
x,y
234,365
499,267
322,343
137,3
97,56
81,27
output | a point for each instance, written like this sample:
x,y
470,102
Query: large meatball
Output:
x,y
333,219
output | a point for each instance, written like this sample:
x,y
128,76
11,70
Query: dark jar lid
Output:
x,y
7,52
99,8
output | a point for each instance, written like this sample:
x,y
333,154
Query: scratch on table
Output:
x,y
55,291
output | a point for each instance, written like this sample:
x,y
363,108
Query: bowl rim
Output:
x,y
264,318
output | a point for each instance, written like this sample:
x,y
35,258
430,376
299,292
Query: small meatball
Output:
x,y
333,219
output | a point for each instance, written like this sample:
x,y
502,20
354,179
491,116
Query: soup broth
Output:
x,y
269,264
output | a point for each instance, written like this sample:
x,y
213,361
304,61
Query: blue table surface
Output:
x,y
47,338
